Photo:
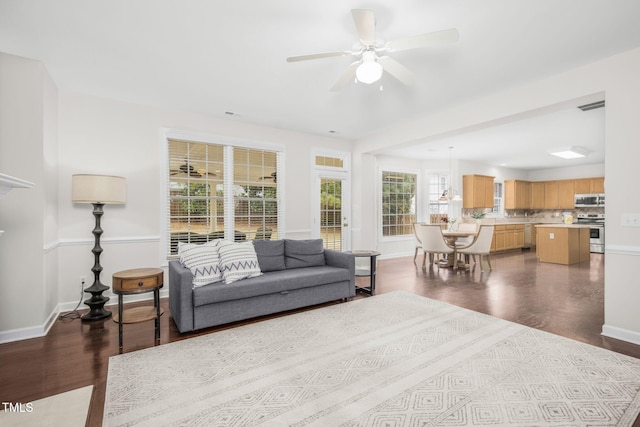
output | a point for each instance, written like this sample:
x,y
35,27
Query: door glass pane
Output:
x,y
331,213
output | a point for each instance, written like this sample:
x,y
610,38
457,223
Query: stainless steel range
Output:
x,y
596,230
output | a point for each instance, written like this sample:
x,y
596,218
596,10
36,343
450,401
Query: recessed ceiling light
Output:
x,y
569,152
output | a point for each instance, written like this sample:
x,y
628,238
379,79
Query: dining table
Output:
x,y
451,237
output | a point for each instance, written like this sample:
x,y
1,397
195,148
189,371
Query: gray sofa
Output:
x,y
296,273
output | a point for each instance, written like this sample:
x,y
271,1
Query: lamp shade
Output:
x,y
109,190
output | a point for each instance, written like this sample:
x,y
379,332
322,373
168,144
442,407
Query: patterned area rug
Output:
x,y
391,360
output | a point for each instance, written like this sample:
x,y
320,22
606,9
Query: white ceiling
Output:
x,y
522,144
214,57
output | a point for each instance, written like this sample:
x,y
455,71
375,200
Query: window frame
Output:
x,y
228,145
417,204
439,173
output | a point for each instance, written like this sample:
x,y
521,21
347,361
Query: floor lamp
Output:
x,y
99,190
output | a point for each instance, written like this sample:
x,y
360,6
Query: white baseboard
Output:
x,y
42,330
621,334
622,250
22,334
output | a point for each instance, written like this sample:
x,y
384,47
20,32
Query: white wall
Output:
x,y
586,171
28,140
617,78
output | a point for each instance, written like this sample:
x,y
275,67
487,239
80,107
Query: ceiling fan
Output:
x,y
370,66
190,171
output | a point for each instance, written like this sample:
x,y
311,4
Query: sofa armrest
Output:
x,y
343,260
181,296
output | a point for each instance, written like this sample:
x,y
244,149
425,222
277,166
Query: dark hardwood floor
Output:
x,y
563,300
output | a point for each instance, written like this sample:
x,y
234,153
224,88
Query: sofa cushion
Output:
x,y
270,254
303,253
269,283
202,260
238,261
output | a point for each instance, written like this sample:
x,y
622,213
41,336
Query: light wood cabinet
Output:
x,y
517,194
537,195
506,237
566,193
589,185
597,185
499,243
562,245
477,191
582,186
551,195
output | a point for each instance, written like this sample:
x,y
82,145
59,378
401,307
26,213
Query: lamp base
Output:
x,y
96,304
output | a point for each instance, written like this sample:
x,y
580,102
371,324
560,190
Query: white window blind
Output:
x,y
221,191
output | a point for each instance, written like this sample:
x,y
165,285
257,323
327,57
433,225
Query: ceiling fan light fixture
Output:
x,y
370,71
569,152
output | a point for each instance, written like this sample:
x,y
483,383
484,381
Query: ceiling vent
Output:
x,y
592,106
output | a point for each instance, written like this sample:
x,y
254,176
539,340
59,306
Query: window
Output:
x,y
497,197
220,191
333,162
398,203
438,208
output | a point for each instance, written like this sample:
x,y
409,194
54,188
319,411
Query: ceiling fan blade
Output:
x,y
396,69
445,36
317,56
365,21
347,77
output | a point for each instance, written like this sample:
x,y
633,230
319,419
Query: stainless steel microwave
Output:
x,y
589,200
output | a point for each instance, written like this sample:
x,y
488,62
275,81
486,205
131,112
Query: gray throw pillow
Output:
x,y
303,253
270,254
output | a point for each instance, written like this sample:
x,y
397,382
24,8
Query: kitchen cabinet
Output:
x,y
597,185
508,236
551,195
498,244
517,194
589,185
566,193
477,191
537,195
563,244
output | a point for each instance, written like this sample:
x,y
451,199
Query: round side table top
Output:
x,y
364,253
136,273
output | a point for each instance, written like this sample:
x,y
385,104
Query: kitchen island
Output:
x,y
562,243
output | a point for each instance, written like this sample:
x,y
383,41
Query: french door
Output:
x,y
332,222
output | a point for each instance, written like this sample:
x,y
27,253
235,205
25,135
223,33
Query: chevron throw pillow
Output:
x,y
238,261
203,261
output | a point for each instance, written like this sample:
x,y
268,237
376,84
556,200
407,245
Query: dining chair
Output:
x,y
418,240
481,246
466,241
433,242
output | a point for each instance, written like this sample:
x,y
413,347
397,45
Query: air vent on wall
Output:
x,y
592,106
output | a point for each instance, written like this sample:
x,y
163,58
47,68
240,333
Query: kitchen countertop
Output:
x,y
563,225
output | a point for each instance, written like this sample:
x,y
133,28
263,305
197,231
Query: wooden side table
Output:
x,y
138,281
